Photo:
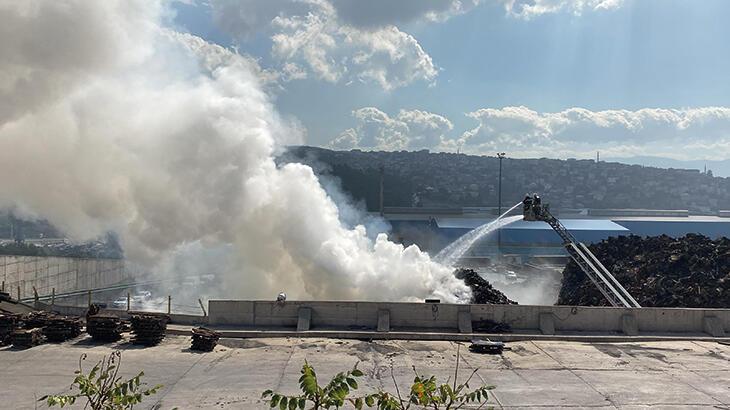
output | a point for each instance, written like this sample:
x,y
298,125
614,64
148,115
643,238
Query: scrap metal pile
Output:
x,y
148,330
482,291
24,338
37,327
104,328
204,339
490,326
8,324
61,328
36,319
692,271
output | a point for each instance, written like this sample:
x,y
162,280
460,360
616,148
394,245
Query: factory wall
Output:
x,y
63,274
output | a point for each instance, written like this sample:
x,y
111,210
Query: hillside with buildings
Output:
x,y
457,180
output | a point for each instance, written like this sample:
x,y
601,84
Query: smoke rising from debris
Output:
x,y
109,121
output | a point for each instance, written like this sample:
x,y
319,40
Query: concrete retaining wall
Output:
x,y
63,274
451,317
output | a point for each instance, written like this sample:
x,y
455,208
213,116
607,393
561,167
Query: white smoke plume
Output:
x,y
109,120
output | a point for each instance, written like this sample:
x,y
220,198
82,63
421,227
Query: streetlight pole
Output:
x,y
500,155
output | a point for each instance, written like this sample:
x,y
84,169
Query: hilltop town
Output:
x,y
429,179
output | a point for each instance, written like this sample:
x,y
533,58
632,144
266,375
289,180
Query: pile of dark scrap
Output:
x,y
37,319
8,324
104,328
25,338
61,328
486,346
204,339
148,330
490,326
482,291
691,271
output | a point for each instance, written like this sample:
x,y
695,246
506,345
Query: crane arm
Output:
x,y
606,283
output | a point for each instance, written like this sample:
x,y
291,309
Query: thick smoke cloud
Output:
x,y
117,123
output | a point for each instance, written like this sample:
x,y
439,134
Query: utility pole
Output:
x,y
500,155
382,182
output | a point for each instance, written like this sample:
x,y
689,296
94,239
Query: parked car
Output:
x,y
120,302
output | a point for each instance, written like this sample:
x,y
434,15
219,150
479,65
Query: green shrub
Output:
x,y
424,392
103,388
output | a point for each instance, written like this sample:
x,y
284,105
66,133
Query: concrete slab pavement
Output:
x,y
544,374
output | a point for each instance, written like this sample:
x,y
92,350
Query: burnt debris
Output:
x,y
204,339
482,291
25,338
37,319
61,328
486,346
692,271
490,326
104,328
148,330
8,324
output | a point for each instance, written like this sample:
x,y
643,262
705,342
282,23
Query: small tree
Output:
x,y
103,388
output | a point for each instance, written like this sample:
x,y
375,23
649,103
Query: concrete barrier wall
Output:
x,y
439,317
333,314
63,274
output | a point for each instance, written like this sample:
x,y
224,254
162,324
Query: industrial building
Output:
x,y
433,228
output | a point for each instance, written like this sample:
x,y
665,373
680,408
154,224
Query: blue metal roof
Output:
x,y
570,224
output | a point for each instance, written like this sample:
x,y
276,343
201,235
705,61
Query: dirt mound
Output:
x,y
692,271
482,291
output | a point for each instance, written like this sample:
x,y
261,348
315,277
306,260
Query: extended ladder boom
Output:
x,y
606,283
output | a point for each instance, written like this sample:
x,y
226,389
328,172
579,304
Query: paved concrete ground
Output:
x,y
533,374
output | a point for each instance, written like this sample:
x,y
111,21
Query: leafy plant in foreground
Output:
x,y
333,394
103,388
425,392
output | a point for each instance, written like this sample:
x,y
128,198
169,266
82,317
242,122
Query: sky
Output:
x,y
533,78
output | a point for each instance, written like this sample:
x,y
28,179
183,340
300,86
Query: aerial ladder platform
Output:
x,y
617,295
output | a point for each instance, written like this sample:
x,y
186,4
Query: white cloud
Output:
x,y
674,133
413,130
387,57
681,134
361,40
341,40
292,71
530,8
